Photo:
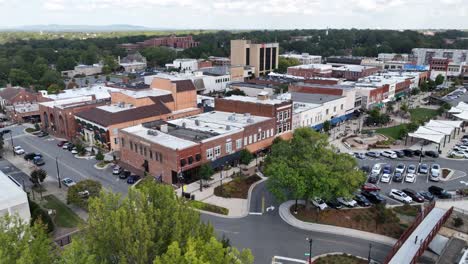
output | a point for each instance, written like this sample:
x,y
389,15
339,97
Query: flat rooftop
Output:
x,y
250,85
65,102
99,91
351,67
255,100
12,193
322,67
325,86
299,107
314,98
144,93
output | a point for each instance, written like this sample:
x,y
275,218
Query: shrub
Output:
x,y
99,156
74,196
457,222
41,215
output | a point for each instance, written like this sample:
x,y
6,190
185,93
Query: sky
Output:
x,y
240,14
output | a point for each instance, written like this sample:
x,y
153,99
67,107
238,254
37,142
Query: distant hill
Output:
x,y
79,28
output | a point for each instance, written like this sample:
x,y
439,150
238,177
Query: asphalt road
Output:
x,y
69,166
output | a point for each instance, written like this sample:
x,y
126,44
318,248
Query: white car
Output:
x,y
68,182
74,151
386,177
411,169
347,202
400,196
400,168
376,169
389,154
319,203
435,170
410,177
458,154
18,150
460,147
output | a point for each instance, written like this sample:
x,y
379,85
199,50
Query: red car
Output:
x,y
370,187
61,143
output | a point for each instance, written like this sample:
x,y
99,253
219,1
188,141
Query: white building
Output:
x,y
83,70
454,70
251,89
393,57
423,56
186,65
204,81
101,92
304,58
13,199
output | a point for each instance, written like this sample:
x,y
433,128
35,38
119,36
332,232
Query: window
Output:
x,y
151,154
229,147
271,132
334,109
209,153
144,151
131,145
141,150
122,142
341,106
190,160
268,133
281,116
245,141
116,141
250,139
326,112
255,138
217,151
239,143
198,157
160,157
183,162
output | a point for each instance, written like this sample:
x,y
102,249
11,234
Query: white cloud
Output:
x,y
54,5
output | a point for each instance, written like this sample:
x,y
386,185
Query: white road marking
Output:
x,y
227,231
255,213
464,182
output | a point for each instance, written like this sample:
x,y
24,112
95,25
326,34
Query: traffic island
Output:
x,y
237,188
338,258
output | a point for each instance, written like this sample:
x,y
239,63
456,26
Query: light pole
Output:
x,y
421,153
369,256
310,249
12,145
58,173
181,179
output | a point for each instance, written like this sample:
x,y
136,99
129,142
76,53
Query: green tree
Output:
x,y
38,176
52,77
158,56
424,86
306,167
20,77
76,195
327,125
404,108
22,243
99,155
53,89
284,63
439,79
245,157
65,63
235,92
109,65
205,172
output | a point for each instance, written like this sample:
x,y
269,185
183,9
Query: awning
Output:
x,y
335,120
400,94
463,115
318,127
386,100
428,134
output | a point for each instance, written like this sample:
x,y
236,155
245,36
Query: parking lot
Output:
x,y
68,165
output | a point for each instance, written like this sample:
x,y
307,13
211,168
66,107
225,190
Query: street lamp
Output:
x,y
310,249
58,173
181,179
369,256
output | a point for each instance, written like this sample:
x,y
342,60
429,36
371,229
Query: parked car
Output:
x,y
360,155
458,154
410,177
361,200
389,154
370,187
418,153
366,169
374,197
386,177
374,178
31,155
74,151
38,161
117,170
408,152
68,182
42,134
400,168
65,146
435,172
319,203
18,150
70,146
387,169
423,169
465,136
347,202
373,154
411,169
61,143
439,192
400,196
376,169
427,195
431,153
397,177
124,174
333,203
400,153
133,179
414,195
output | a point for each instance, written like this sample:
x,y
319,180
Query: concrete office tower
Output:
x,y
262,56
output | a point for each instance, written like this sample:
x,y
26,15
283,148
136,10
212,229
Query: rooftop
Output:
x,y
12,193
144,93
100,91
250,85
303,55
314,98
351,67
317,66
253,100
299,107
326,86
66,102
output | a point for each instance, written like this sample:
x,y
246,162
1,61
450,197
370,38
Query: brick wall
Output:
x,y
315,90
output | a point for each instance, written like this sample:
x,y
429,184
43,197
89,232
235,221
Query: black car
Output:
x,y
439,192
414,195
133,179
32,155
427,195
42,134
5,131
397,177
333,203
431,153
124,174
366,169
70,146
465,136
373,179
418,153
408,152
361,200
400,153
374,197
38,161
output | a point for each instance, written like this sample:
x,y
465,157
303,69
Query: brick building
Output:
x,y
171,41
311,70
167,148
353,72
129,108
20,103
260,106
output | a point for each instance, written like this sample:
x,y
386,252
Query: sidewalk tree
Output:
x,y
439,79
327,125
99,156
24,243
404,108
245,157
38,176
305,168
80,193
146,225
205,172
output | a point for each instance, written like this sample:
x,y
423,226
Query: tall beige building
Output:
x,y
262,56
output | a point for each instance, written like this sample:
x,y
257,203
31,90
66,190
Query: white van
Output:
x,y
389,154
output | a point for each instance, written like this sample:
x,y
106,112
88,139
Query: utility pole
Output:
x,y
369,256
310,249
58,173
12,145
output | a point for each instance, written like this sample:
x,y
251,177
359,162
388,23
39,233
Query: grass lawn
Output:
x,y
237,188
363,219
339,259
419,114
408,210
65,217
208,207
392,132
103,163
30,130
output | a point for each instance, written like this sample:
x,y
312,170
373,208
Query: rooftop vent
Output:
x,y
184,125
228,127
152,132
197,122
164,129
232,117
250,120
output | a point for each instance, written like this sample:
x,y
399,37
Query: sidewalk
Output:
x,y
237,207
286,215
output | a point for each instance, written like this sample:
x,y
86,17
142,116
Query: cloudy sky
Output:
x,y
239,14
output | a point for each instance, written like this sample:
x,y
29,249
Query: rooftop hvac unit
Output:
x,y
164,129
250,120
184,125
232,117
228,127
152,132
247,114
197,122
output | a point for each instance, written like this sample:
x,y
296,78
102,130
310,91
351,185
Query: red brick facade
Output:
x,y
308,73
315,90
354,75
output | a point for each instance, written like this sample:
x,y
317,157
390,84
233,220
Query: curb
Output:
x,y
84,157
335,253
248,204
102,168
336,230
